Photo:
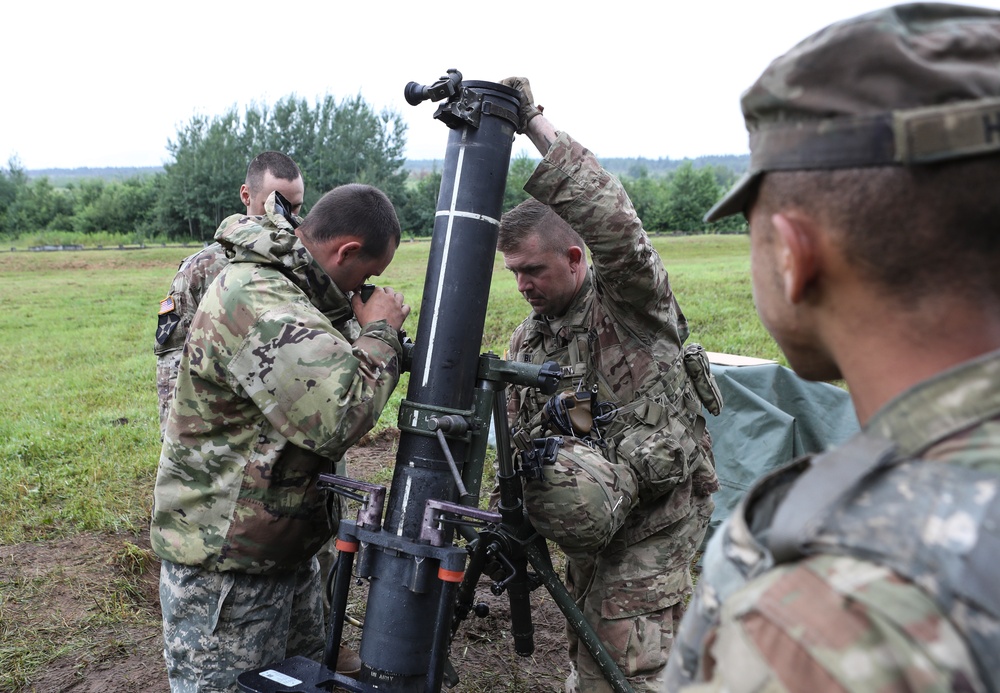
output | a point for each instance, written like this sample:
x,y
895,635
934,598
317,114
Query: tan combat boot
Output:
x,y
348,662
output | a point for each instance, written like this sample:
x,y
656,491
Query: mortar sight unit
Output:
x,y
421,583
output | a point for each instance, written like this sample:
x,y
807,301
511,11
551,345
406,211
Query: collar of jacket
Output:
x,y
941,406
269,240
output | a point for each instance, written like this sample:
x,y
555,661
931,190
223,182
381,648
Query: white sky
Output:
x,y
106,83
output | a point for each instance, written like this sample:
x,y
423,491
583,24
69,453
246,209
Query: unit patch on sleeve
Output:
x,y
168,320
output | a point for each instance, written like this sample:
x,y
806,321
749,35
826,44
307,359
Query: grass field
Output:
x,y
79,435
79,438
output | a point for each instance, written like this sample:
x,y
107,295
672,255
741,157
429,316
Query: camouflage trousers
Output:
x,y
634,597
217,625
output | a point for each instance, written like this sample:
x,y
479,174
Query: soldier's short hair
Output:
x,y
534,218
358,210
280,165
915,231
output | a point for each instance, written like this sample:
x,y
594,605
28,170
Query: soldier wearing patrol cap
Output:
x,y
617,467
875,246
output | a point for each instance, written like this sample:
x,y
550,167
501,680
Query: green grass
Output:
x,y
78,428
79,435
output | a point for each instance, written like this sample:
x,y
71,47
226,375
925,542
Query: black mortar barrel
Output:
x,y
403,605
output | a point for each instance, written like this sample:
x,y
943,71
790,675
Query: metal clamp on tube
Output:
x,y
372,504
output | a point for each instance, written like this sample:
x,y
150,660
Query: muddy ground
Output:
x,y
96,596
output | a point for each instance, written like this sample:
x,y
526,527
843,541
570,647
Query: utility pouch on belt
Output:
x,y
699,370
569,413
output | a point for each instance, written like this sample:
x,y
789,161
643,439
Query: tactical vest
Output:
x,y
933,523
580,371
659,432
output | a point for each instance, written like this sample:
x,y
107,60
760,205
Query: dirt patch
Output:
x,y
92,600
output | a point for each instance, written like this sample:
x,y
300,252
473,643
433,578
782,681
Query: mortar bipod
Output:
x,y
517,541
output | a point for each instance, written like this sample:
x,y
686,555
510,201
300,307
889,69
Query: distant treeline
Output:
x,y
61,177
334,143
634,167
622,167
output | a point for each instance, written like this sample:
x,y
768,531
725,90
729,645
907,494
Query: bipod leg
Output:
x,y
538,555
474,571
518,586
338,601
534,546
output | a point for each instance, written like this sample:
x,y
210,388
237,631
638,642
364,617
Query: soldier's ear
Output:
x,y
575,255
798,253
245,195
347,248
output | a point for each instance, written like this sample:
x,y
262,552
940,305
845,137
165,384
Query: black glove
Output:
x,y
528,109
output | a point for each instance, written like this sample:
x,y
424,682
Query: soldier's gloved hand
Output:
x,y
528,109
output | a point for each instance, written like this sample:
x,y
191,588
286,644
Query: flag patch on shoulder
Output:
x,y
166,305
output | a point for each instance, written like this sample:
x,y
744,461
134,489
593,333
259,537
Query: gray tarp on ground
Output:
x,y
770,417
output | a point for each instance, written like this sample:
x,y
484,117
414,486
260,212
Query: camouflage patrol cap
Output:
x,y
906,85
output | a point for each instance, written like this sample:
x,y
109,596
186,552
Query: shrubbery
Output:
x,y
333,143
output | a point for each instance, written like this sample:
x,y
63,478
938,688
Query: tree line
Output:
x,y
333,142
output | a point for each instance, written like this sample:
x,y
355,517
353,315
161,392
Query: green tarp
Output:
x,y
770,417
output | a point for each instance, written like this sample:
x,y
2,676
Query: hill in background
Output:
x,y
630,167
59,177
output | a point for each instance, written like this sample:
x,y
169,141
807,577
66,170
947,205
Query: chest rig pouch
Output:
x,y
576,396
664,442
699,370
659,435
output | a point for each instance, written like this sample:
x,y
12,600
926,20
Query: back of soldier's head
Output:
x,y
887,128
356,210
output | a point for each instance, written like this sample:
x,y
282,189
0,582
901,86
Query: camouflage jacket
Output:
x,y
194,275
271,391
621,339
870,568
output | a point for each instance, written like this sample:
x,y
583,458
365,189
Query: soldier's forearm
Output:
x,y
542,133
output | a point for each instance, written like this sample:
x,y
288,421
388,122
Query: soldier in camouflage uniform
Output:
x,y
873,207
270,393
269,171
627,491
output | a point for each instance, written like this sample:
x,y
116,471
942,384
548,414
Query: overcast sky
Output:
x,y
105,83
